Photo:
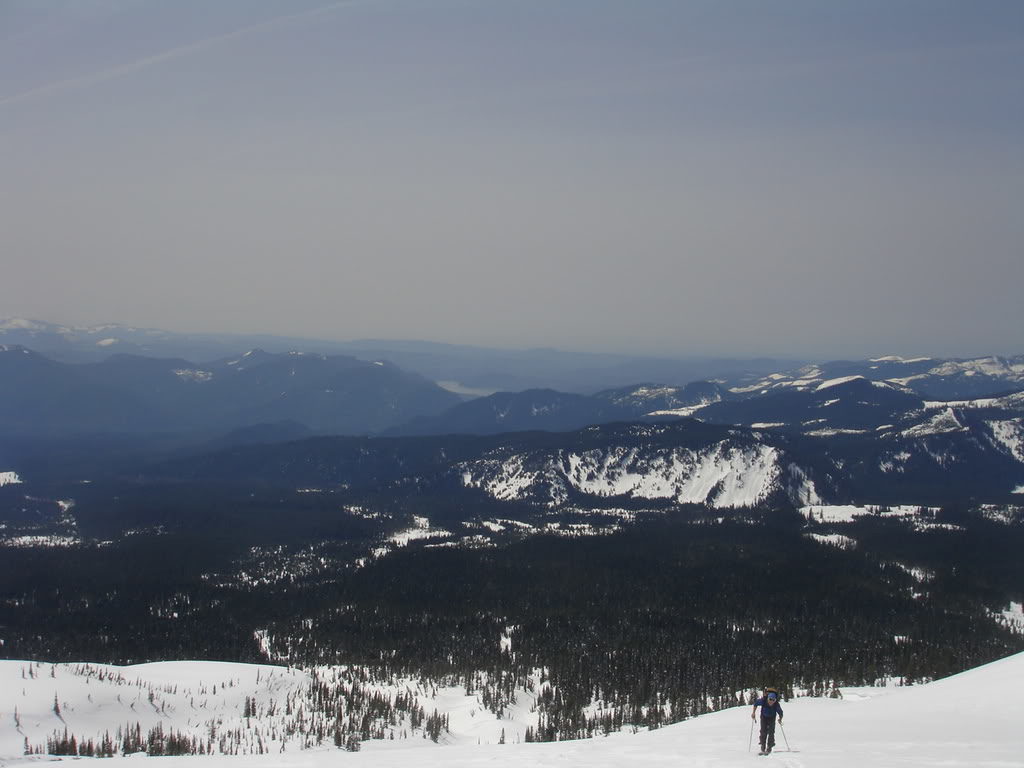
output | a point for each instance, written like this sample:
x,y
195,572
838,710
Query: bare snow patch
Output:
x,y
462,389
894,462
1010,435
420,530
920,575
985,366
836,382
1000,513
9,478
831,432
47,542
686,410
833,540
1012,617
189,374
920,518
939,424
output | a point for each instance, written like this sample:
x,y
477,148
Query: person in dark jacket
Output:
x,y
770,709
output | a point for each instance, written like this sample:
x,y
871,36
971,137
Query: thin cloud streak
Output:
x,y
168,55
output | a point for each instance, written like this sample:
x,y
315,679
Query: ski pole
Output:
x,y
784,737
751,739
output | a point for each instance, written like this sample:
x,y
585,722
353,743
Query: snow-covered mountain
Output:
x,y
932,377
943,457
734,470
949,454
847,405
967,720
821,407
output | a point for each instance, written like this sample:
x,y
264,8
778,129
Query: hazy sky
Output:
x,y
809,177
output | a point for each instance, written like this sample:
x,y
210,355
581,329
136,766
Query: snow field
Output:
x,y
847,513
209,701
970,720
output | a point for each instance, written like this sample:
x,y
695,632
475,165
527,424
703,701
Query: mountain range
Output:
x,y
963,456
848,405
469,369
596,550
129,393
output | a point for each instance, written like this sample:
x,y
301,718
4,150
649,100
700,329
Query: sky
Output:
x,y
679,177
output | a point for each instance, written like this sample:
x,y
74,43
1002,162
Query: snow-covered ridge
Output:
x,y
1010,402
837,382
879,369
1010,435
898,359
9,478
686,410
987,366
38,326
22,324
941,423
721,475
647,393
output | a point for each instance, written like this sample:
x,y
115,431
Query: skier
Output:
x,y
770,709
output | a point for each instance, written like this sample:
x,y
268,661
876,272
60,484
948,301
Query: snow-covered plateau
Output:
x,y
970,719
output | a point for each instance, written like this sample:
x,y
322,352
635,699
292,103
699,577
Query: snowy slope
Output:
x,y
971,719
722,474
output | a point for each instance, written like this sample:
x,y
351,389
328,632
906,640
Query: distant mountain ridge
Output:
x,y
849,405
462,367
486,370
549,410
938,378
958,456
128,393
